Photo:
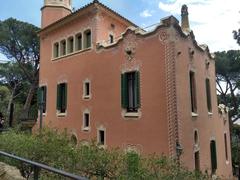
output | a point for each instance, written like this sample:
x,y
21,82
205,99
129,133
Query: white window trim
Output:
x,y
84,127
87,97
102,128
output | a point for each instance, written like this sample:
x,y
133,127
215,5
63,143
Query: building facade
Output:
x,y
104,78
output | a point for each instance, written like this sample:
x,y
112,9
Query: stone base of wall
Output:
x,y
9,173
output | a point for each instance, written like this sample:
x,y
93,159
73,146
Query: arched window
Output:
x,y
213,152
74,139
87,39
195,137
78,42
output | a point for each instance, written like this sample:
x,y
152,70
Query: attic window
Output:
x,y
87,39
63,48
70,44
56,50
78,43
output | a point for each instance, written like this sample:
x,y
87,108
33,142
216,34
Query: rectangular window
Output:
x,y
56,50
62,97
193,92
86,120
86,89
213,152
226,149
70,44
130,91
78,43
208,93
111,39
42,98
101,137
87,39
63,47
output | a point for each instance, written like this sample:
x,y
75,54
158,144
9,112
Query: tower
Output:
x,y
54,10
185,21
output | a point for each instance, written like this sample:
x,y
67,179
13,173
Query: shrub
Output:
x,y
56,150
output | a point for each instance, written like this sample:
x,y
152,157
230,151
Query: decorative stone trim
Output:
x,y
172,116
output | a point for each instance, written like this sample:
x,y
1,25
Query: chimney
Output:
x,y
185,21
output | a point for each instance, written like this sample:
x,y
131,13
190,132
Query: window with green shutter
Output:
x,y
130,91
42,97
62,97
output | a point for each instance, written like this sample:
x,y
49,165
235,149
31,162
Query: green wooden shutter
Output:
x,y
64,97
137,86
58,97
39,95
124,93
44,98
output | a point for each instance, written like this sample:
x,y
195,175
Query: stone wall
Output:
x,y
9,173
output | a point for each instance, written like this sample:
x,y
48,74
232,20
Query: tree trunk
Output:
x,y
28,101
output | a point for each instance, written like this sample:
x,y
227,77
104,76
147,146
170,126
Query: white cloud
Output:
x,y
146,13
212,20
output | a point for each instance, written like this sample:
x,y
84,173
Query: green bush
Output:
x,y
56,150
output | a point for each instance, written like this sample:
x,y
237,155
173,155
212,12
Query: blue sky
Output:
x,y
212,21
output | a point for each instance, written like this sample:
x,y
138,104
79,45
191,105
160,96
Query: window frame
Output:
x,y
130,84
42,97
226,147
78,44
193,92
85,94
56,50
104,144
86,43
63,47
62,99
70,45
208,95
84,127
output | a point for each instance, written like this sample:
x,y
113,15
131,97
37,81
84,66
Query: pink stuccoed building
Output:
x,y
104,78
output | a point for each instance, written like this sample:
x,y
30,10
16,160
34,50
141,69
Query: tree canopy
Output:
x,y
236,35
20,44
228,81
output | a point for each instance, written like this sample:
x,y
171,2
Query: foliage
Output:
x,y
236,145
19,43
228,81
4,97
55,149
236,35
